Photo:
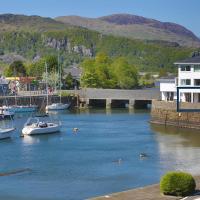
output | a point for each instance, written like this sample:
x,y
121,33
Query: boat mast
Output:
x,y
47,84
59,72
15,87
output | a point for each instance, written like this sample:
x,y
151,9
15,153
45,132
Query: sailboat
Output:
x,y
21,108
60,105
5,113
6,131
37,126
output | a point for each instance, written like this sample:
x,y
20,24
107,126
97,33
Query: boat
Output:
x,y
57,106
5,113
34,126
22,108
6,132
37,125
60,105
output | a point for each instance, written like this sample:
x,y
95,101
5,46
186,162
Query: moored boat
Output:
x,y
6,113
57,106
21,109
6,132
35,126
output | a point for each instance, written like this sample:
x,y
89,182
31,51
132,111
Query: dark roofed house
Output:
x,y
192,61
74,70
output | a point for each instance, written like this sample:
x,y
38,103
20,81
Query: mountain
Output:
x,y
136,27
31,37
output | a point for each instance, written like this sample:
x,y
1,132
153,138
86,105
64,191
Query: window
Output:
x,y
185,68
170,96
197,82
188,97
197,68
185,82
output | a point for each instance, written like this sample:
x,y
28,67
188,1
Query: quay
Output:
x,y
151,192
85,98
165,113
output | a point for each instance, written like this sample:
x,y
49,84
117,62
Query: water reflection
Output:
x,y
29,140
178,148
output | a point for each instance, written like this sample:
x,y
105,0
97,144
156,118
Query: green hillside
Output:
x,y
136,27
34,37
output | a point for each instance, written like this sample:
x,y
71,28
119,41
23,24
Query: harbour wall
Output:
x,y
165,113
38,100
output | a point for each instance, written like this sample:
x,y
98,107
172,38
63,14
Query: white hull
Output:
x,y
6,133
35,130
57,106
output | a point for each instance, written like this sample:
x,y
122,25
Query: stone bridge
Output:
x,y
113,96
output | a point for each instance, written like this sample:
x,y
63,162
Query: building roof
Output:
x,y
74,70
193,60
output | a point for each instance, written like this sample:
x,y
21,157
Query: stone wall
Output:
x,y
165,113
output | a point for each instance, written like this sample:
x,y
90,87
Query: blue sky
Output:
x,y
184,12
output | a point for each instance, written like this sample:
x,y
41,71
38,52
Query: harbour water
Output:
x,y
102,157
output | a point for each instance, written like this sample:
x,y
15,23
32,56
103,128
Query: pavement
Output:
x,y
151,192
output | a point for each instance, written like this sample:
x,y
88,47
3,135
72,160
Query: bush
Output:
x,y
177,184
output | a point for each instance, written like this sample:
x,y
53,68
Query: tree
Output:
x,y
17,68
38,68
162,72
69,82
125,74
102,72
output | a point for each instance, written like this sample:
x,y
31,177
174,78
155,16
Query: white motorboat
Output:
x,y
57,106
35,126
6,132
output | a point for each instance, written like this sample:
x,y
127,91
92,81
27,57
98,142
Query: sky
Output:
x,y
184,12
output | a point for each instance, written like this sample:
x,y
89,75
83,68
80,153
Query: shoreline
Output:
x,y
150,192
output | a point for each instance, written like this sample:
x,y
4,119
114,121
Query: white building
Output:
x,y
188,76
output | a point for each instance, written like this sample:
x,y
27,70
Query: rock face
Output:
x,y
64,44
9,58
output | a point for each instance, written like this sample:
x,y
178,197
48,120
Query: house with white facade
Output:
x,y
188,76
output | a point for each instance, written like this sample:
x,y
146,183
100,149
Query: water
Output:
x,y
68,166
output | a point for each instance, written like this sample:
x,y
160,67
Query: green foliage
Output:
x,y
69,81
44,37
177,184
102,72
147,80
17,68
36,69
126,75
162,72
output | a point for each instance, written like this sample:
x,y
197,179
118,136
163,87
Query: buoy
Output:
x,y
75,130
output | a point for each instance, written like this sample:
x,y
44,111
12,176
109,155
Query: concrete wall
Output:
x,y
140,94
165,113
